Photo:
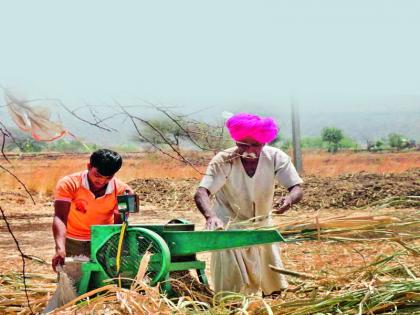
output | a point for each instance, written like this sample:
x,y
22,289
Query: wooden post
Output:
x,y
297,153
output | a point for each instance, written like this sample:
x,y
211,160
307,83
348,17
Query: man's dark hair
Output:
x,y
107,162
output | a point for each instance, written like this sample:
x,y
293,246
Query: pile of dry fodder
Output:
x,y
360,190
389,283
168,194
346,191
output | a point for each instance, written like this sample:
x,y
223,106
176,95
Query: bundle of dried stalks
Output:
x,y
185,285
340,228
13,298
344,227
352,228
384,285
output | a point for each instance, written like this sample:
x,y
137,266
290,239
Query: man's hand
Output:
x,y
58,259
214,223
61,213
283,205
202,200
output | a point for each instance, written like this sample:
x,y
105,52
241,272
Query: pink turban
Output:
x,y
261,129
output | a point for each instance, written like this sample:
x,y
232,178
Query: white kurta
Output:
x,y
239,197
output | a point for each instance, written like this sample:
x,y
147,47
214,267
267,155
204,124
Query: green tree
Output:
x,y
396,141
332,136
23,142
71,146
30,145
348,143
312,143
379,143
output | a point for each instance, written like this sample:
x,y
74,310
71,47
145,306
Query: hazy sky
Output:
x,y
225,54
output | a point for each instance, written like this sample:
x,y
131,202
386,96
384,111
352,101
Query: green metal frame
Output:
x,y
179,244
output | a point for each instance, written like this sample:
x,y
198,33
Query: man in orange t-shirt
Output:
x,y
83,199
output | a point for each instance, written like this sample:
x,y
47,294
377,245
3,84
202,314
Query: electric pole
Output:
x,y
297,153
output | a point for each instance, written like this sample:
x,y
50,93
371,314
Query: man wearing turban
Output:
x,y
242,180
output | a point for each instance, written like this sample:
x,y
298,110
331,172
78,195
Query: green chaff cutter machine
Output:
x,y
117,250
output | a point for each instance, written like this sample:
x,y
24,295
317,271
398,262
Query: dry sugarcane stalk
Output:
x,y
293,273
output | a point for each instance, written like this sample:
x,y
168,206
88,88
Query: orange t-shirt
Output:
x,y
85,209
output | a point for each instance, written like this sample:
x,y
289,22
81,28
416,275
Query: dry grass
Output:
x,y
41,172
325,164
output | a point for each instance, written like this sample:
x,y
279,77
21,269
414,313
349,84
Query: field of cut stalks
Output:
x,y
354,250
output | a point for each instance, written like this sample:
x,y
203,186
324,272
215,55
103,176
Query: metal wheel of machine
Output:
x,y
137,241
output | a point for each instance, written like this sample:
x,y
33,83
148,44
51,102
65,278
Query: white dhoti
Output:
x,y
239,197
246,270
